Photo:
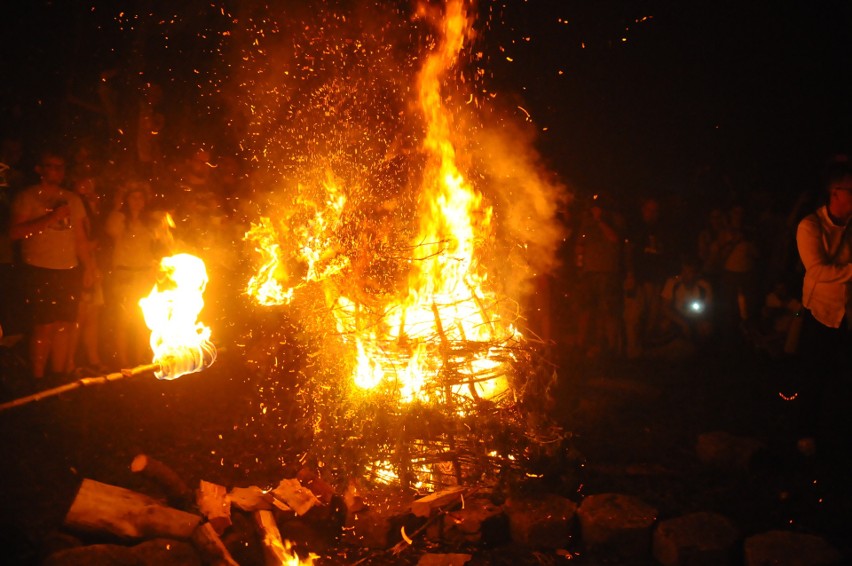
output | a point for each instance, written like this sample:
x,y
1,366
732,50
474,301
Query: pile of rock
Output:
x,y
249,525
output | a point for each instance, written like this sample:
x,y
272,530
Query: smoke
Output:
x,y
528,201
331,92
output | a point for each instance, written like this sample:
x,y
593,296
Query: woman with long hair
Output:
x,y
134,260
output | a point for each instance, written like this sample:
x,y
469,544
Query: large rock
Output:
x,y
444,560
786,548
56,541
617,525
93,555
724,450
479,520
159,552
698,539
541,522
379,524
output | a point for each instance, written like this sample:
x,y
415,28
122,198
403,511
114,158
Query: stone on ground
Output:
x,y
444,559
787,548
479,521
617,525
695,539
724,450
541,522
161,552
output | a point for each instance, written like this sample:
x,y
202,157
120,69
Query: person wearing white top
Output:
x,y
49,222
824,240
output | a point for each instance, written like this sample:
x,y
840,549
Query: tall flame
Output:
x,y
180,343
447,321
447,301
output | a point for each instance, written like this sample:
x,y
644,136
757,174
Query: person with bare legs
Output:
x,y
600,279
49,221
87,333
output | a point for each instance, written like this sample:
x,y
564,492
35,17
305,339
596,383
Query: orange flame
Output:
x,y
448,317
447,299
181,345
265,287
310,244
284,552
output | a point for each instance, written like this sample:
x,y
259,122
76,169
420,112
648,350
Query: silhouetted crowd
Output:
x,y
668,275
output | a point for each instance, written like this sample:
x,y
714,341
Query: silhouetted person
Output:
x,y
600,255
87,333
650,260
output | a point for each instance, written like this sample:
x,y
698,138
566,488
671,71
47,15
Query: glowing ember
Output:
x,y
446,322
310,242
265,286
406,217
180,343
448,302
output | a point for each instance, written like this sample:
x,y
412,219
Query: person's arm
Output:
x,y
84,254
815,256
629,265
114,225
607,230
669,310
23,227
708,292
677,318
82,245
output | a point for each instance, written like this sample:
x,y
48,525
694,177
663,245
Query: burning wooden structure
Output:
x,y
416,296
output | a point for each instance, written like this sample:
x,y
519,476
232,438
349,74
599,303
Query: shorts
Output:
x,y
51,295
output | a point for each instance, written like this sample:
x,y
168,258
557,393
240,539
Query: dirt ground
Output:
x,y
634,428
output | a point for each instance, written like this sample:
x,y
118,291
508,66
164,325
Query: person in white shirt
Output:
x,y
824,241
49,221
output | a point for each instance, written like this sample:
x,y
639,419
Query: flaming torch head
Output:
x,y
180,343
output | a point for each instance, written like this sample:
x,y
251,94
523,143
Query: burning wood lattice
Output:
x,y
425,375
451,437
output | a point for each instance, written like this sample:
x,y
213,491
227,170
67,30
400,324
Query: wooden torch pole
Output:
x,y
84,382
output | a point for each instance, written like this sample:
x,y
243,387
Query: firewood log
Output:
x,y
424,506
251,499
293,495
176,489
274,550
316,484
104,508
211,546
213,502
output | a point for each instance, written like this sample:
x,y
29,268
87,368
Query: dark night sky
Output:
x,y
754,89
757,89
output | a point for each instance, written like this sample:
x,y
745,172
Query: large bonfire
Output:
x,y
405,231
